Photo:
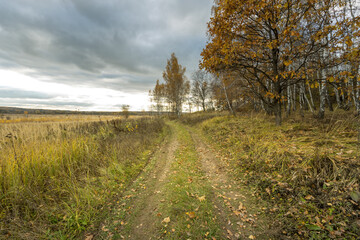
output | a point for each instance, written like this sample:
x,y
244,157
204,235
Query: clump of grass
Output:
x,y
308,171
56,176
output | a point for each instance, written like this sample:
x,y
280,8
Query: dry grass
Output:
x,y
22,118
308,170
55,176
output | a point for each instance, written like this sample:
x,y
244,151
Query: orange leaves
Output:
x,y
314,85
287,63
263,40
191,214
348,41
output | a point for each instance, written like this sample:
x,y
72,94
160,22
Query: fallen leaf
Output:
x,y
355,196
251,237
166,220
202,198
309,197
191,214
104,229
237,213
241,206
89,237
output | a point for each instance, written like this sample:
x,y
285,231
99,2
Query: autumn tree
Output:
x,y
158,96
352,52
201,88
176,85
275,44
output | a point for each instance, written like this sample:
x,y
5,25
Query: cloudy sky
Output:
x,y
94,54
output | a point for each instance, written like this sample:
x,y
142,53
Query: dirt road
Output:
x,y
149,210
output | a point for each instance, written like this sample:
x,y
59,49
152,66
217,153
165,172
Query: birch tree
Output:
x,y
270,41
201,88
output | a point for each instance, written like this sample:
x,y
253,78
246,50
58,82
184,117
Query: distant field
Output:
x,y
16,118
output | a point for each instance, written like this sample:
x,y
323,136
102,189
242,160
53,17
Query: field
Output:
x,y
203,176
57,173
22,118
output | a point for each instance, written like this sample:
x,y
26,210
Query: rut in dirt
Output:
x,y
150,199
134,217
236,208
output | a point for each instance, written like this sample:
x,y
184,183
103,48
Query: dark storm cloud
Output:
x,y
113,44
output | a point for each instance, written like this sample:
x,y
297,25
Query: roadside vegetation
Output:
x,y
56,177
307,171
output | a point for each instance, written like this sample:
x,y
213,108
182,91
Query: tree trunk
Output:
x,y
311,97
289,96
294,100
306,98
358,100
355,90
328,100
227,99
278,112
301,99
337,95
322,91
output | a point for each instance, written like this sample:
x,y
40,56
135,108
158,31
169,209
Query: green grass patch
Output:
x,y
187,211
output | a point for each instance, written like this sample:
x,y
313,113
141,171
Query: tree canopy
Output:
x,y
273,45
